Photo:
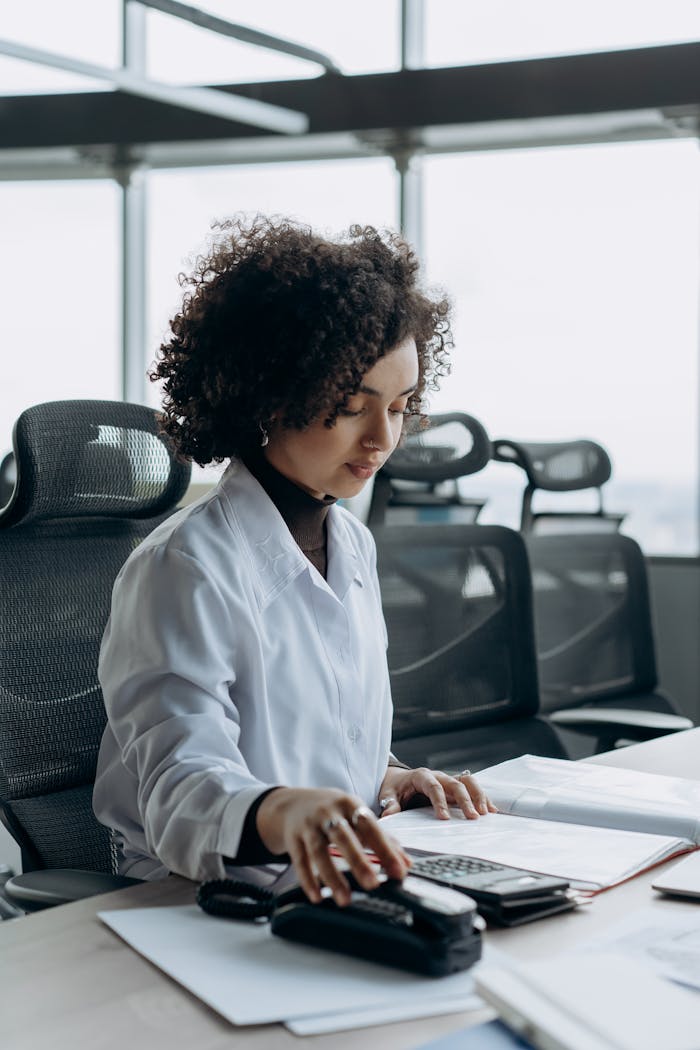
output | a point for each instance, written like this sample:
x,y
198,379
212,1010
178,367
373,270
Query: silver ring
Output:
x,y
361,811
332,822
464,773
384,802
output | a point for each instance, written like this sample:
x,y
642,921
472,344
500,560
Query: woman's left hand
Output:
x,y
441,789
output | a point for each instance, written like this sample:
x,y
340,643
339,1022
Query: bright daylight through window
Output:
x,y
574,269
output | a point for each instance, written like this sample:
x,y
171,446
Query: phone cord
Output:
x,y
233,899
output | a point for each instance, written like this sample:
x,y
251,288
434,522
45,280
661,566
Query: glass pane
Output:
x,y
329,195
359,38
498,30
81,29
59,287
574,273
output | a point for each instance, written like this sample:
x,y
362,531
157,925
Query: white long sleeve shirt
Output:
x,y
229,665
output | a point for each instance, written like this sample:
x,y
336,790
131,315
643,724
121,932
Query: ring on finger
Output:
x,y
361,811
331,824
384,802
464,773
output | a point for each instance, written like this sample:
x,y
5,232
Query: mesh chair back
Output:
x,y
560,466
8,477
458,608
593,622
93,479
419,482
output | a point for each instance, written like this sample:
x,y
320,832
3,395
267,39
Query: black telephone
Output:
x,y
414,925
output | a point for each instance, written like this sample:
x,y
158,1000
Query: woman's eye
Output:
x,y
349,412
399,411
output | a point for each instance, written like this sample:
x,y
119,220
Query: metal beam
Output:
x,y
239,32
200,99
131,180
379,105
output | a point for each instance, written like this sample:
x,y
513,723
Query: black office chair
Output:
x,y
93,479
419,482
560,466
457,601
595,639
8,477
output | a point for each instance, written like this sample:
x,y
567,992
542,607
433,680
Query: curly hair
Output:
x,y
281,323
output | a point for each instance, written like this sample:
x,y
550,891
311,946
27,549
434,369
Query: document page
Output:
x,y
591,858
667,942
604,796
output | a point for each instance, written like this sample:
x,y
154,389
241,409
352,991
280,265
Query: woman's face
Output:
x,y
339,461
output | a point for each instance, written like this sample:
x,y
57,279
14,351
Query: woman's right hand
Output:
x,y
304,822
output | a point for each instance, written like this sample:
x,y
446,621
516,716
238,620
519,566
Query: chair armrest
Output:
x,y
633,725
35,890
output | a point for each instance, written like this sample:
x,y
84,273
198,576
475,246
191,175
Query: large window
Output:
x,y
60,288
574,273
361,37
459,33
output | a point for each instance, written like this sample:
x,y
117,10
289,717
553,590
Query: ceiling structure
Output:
x,y
629,94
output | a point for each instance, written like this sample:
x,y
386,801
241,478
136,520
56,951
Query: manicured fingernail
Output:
x,y
443,811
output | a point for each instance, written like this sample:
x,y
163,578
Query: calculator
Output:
x,y
504,895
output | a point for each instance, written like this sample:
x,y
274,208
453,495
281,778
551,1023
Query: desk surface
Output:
x,y
67,982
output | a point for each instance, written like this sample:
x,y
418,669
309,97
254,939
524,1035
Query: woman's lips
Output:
x,y
362,471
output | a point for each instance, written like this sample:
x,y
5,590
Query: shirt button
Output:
x,y
354,733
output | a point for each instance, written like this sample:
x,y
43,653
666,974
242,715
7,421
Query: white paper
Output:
x,y
593,1001
251,977
589,857
339,1022
667,942
605,796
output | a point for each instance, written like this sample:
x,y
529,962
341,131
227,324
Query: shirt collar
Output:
x,y
276,558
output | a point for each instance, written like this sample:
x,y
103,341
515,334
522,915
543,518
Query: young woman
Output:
x,y
244,663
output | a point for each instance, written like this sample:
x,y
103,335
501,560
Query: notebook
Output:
x,y
682,880
592,825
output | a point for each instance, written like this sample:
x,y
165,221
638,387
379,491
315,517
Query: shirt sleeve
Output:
x,y
167,670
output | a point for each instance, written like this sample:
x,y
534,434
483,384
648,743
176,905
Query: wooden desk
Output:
x,y
68,983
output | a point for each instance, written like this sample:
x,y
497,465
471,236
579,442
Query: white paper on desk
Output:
x,y
344,1020
251,977
666,941
589,857
599,1001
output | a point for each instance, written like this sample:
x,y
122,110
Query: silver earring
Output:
x,y
265,438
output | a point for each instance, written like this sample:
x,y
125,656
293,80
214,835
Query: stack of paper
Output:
x,y
251,977
593,825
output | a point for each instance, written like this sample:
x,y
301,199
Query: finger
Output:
x,y
461,797
388,804
305,873
479,797
351,849
316,845
385,847
433,789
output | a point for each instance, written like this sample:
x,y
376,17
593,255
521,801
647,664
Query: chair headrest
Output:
x,y
451,446
92,458
557,466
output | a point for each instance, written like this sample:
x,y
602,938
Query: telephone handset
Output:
x,y
413,924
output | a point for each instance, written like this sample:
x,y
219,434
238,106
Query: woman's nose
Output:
x,y
379,434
